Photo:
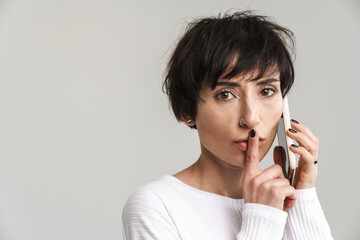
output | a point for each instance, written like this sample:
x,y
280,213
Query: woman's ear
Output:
x,y
188,120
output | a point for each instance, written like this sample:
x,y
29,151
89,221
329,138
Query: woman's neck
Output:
x,y
213,175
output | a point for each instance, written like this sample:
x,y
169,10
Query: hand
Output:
x,y
268,187
306,172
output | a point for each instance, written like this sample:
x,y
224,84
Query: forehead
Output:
x,y
245,72
252,77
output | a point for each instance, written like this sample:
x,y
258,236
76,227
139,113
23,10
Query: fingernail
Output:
x,y
252,133
292,130
294,121
294,145
315,162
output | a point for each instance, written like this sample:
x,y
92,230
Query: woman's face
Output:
x,y
258,103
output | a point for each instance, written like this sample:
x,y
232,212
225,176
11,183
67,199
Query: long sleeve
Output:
x,y
167,209
145,217
306,220
261,222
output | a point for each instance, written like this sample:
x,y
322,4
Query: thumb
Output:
x,y
280,158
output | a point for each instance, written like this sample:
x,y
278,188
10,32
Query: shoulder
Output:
x,y
154,198
146,211
144,197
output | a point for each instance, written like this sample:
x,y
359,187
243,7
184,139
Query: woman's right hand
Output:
x,y
268,187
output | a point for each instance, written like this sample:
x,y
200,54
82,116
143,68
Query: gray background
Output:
x,y
83,121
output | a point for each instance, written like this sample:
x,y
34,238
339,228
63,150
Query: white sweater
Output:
x,y
170,209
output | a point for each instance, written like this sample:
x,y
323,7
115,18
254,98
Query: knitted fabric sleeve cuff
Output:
x,y
306,220
308,194
261,222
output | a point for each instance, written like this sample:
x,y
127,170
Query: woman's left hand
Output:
x,y
306,172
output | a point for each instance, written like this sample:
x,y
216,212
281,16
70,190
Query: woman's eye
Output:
x,y
225,95
267,92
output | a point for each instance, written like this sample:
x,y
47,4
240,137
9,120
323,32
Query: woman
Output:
x,y
227,78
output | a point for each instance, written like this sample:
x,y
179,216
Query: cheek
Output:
x,y
272,112
270,119
212,121
215,127
215,124
274,118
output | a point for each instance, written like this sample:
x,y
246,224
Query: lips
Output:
x,y
243,143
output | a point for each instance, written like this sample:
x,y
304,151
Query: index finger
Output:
x,y
252,166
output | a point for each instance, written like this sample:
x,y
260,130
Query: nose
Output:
x,y
249,115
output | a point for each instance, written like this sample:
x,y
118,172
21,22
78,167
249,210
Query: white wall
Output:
x,y
83,121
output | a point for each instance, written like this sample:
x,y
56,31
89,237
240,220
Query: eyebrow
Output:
x,y
235,84
266,81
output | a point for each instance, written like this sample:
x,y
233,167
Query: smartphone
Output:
x,y
284,141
